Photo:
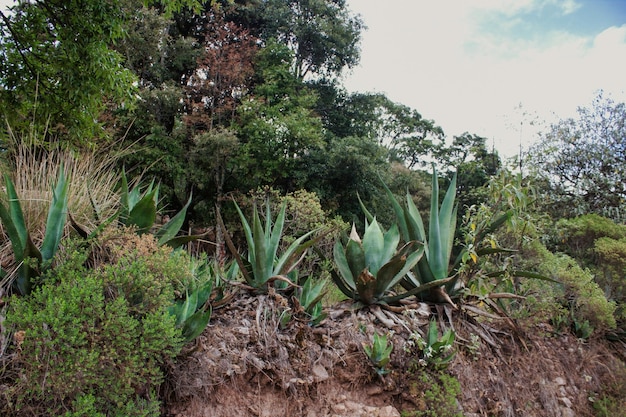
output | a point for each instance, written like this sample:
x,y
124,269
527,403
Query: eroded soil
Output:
x,y
245,364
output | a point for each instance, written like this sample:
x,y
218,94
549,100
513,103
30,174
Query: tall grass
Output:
x,y
33,167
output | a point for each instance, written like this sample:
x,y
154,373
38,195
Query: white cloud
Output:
x,y
441,61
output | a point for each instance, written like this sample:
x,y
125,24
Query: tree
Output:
x,y
322,34
223,75
276,125
59,68
581,161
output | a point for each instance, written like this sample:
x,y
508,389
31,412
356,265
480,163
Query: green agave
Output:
x,y
434,266
139,209
379,353
24,250
263,264
369,269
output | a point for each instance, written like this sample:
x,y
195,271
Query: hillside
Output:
x,y
245,365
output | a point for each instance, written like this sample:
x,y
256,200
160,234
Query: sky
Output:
x,y
501,69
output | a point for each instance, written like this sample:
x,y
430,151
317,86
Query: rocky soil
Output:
x,y
245,364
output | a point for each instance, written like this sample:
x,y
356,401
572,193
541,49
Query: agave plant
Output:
x,y
139,209
30,260
379,353
369,269
434,265
263,265
309,297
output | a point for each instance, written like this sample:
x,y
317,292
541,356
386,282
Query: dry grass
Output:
x,y
34,169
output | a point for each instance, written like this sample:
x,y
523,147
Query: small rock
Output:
x,y
567,412
566,402
559,381
319,373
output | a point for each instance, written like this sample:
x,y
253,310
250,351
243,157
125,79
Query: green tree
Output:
x,y
581,161
276,125
323,34
59,68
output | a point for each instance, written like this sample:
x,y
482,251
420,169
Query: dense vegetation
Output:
x,y
231,122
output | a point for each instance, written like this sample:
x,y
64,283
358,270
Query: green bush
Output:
x,y
578,292
577,236
438,393
94,340
611,261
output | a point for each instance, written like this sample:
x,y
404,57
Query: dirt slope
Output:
x,y
244,365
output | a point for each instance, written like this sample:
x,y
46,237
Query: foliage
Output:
x,y
434,351
96,339
431,272
581,161
309,299
368,269
263,265
56,78
277,125
303,213
30,260
439,392
611,260
577,236
323,35
192,312
379,353
223,74
139,208
578,291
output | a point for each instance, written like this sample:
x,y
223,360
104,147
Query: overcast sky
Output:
x,y
469,65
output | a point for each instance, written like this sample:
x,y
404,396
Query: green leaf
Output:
x,y
57,215
13,219
143,213
195,325
171,228
355,257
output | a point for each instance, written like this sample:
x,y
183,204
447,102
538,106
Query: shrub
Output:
x,y
577,236
95,340
611,261
438,393
578,292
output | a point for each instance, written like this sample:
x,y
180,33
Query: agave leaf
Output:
x,y
393,271
379,247
11,231
262,262
15,216
195,325
369,217
414,222
355,256
344,279
57,215
171,228
143,213
203,293
285,264
311,293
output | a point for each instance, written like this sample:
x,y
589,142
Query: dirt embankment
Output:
x,y
244,365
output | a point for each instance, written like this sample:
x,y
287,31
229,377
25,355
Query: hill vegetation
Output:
x,y
198,219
